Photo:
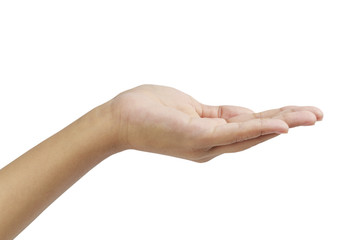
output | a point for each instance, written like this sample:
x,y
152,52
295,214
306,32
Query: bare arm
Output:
x,y
33,181
148,118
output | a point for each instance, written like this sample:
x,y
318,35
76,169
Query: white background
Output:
x,y
59,59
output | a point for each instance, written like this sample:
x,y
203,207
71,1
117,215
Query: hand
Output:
x,y
148,118
164,120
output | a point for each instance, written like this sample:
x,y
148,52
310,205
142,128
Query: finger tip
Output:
x,y
311,120
282,131
277,126
283,127
307,118
285,130
319,114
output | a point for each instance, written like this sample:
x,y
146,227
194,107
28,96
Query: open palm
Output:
x,y
167,121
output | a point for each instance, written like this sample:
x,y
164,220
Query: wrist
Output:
x,y
108,120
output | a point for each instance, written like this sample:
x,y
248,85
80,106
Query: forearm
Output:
x,y
33,181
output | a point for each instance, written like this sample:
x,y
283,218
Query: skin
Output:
x,y
147,118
